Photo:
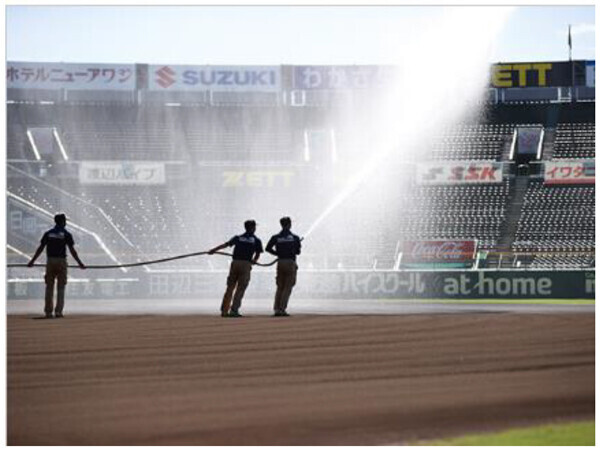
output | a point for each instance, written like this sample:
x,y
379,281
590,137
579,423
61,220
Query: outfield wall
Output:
x,y
481,284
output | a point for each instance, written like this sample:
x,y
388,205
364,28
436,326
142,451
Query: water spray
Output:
x,y
406,120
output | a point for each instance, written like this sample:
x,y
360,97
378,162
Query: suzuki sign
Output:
x,y
214,78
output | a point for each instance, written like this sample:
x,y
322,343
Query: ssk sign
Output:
x,y
214,78
459,173
438,252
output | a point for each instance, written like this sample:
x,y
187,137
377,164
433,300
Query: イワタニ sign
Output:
x,y
570,172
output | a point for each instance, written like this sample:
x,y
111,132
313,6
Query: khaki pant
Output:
x,y
238,280
285,280
56,269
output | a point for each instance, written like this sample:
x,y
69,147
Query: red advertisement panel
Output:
x,y
452,253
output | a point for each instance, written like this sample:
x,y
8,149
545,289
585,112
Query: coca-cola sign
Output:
x,y
438,252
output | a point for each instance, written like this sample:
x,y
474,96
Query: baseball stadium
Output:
x,y
443,285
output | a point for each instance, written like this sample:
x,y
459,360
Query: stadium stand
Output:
x,y
238,134
469,212
553,227
50,199
559,224
575,141
472,142
16,140
137,142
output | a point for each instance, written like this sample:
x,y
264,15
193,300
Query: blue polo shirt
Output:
x,y
286,245
56,241
245,246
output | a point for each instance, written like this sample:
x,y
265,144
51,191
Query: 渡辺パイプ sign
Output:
x,y
118,173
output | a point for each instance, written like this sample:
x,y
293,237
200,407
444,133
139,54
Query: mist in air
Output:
x,y
439,80
342,178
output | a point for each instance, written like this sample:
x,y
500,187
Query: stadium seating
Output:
x,y
563,261
151,219
471,142
146,141
557,221
16,141
454,212
80,211
555,225
205,144
575,141
238,134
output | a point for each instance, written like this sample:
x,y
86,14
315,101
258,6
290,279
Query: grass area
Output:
x,y
569,434
502,301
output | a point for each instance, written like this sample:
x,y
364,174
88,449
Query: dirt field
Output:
x,y
303,380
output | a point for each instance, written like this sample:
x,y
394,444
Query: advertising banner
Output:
x,y
590,73
544,74
438,253
214,78
341,77
76,76
23,223
376,285
118,173
459,173
264,178
570,172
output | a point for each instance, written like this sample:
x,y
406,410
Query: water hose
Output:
x,y
143,263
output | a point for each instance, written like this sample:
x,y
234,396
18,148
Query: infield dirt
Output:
x,y
303,380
